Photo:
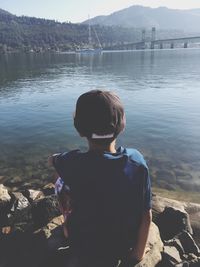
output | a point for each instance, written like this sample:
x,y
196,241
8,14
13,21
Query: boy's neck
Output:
x,y
101,148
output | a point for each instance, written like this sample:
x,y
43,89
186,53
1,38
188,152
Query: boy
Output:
x,y
110,212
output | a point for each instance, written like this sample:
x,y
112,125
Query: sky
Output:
x,y
78,10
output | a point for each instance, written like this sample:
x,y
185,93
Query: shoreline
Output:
x,y
18,184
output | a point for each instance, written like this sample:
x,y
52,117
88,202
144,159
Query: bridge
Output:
x,y
152,42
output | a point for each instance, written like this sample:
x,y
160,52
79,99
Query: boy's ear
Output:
x,y
124,122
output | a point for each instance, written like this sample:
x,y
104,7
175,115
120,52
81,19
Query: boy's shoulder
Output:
x,y
63,158
74,159
135,156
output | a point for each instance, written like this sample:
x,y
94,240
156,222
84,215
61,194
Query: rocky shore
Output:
x,y
31,231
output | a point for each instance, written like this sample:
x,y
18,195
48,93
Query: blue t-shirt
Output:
x,y
109,193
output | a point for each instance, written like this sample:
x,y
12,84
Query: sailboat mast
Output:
x,y
89,36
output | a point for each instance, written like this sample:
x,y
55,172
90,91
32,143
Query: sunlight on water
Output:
x,y
160,91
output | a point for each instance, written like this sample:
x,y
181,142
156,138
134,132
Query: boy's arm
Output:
x,y
50,160
139,249
51,164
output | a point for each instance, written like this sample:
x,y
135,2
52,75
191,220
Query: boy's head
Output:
x,y
99,116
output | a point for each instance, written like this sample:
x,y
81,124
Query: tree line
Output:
x,y
29,33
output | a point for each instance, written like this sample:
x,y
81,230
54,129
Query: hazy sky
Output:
x,y
78,10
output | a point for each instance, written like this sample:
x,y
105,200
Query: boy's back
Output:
x,y
109,193
109,188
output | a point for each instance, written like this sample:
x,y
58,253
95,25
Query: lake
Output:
x,y
160,90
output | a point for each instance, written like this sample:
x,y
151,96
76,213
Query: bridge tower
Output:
x,y
142,46
143,35
153,37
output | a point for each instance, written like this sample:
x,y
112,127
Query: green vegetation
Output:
x,y
33,34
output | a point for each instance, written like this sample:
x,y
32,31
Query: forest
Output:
x,y
35,34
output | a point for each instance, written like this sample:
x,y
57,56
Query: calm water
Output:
x,y
160,91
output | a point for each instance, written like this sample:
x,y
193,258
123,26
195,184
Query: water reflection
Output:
x,y
159,89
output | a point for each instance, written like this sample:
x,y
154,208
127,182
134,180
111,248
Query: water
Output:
x,y
160,91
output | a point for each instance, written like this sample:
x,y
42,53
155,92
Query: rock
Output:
x,y
49,189
44,210
20,202
20,217
172,254
180,250
160,203
168,176
154,248
33,195
193,209
172,222
175,242
5,203
5,198
188,243
2,179
189,185
166,185
14,181
41,234
53,232
48,229
196,231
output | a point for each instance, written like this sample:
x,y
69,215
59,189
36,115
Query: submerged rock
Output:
x,y
167,176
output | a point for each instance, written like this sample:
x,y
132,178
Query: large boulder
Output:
x,y
193,210
172,222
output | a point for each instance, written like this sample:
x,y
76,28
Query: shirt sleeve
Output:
x,y
59,164
147,194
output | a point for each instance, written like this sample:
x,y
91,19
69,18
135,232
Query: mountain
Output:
x,y
4,12
161,18
22,33
30,33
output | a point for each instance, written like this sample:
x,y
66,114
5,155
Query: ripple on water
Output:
x,y
161,98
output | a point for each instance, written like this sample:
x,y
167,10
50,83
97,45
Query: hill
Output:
x,y
22,33
161,18
29,33
5,13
